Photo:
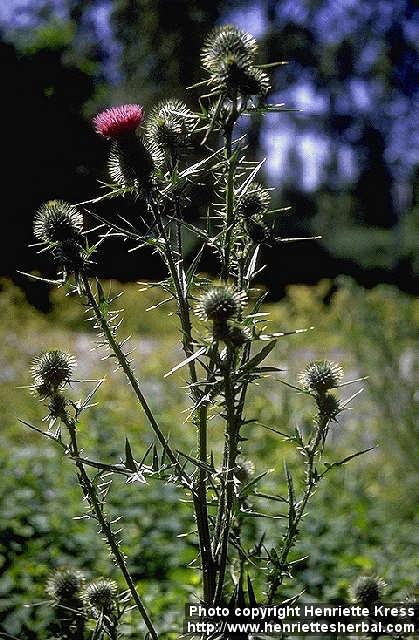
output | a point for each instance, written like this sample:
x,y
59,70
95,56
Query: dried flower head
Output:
x,y
227,42
254,202
367,590
64,586
51,370
169,127
220,303
57,220
118,121
101,594
321,375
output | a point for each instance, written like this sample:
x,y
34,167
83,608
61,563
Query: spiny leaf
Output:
x,y
100,293
245,491
194,356
155,463
258,358
333,465
291,496
129,460
198,463
251,593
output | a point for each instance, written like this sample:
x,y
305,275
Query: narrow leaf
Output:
x,y
333,465
155,463
251,593
194,356
258,358
129,460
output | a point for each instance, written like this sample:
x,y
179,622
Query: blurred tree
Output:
x,y
161,43
347,159
51,152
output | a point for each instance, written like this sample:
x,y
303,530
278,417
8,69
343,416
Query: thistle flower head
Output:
x,y
100,595
367,590
65,585
118,121
232,334
254,82
57,220
57,405
235,76
220,303
130,162
70,255
328,405
227,42
51,370
321,375
169,126
259,232
254,202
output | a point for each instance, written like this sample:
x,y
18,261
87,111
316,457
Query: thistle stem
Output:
x,y
227,495
122,360
229,202
310,484
200,489
90,492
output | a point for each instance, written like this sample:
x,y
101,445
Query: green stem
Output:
x,y
227,495
90,491
200,489
229,200
122,360
311,481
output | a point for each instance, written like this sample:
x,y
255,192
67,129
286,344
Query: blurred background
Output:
x,y
347,164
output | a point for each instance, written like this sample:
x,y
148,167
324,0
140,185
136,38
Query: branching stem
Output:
x,y
125,366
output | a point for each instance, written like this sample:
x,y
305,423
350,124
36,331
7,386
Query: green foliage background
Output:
x,y
362,520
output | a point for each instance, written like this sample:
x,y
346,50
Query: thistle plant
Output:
x,y
157,159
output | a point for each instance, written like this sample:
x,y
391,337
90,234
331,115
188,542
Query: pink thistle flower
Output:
x,y
118,121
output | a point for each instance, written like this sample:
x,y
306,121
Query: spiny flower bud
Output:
x,y
130,163
220,303
232,334
328,405
64,586
169,126
57,220
227,41
119,121
321,375
57,406
368,590
235,76
254,202
259,232
51,370
100,595
70,255
254,82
